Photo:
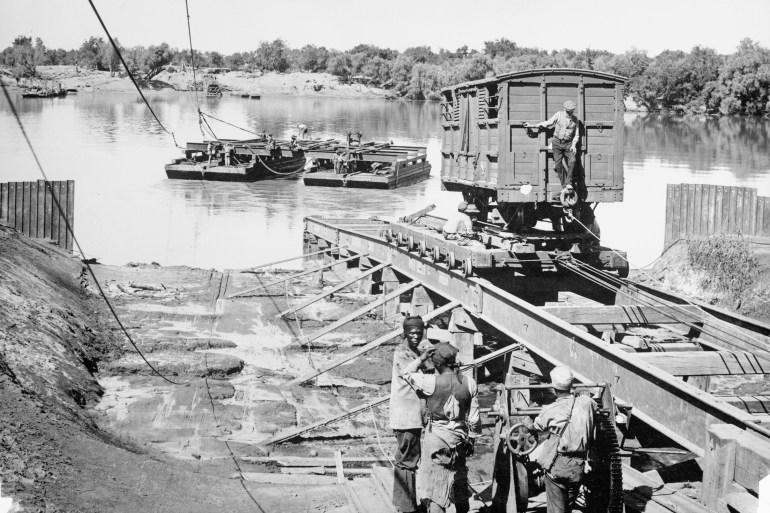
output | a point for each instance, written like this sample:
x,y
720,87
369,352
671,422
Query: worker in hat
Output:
x,y
302,131
571,420
564,143
460,223
406,417
453,424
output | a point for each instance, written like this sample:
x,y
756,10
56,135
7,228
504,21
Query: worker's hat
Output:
x,y
562,378
569,105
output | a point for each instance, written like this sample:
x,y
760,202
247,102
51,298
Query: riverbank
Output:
x,y
234,82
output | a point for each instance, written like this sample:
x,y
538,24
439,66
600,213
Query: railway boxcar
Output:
x,y
490,155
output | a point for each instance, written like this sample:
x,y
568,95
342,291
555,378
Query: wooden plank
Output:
x,y
722,335
18,221
627,314
707,363
32,228
720,193
70,214
752,462
298,461
669,347
62,238
739,208
690,217
750,226
681,211
340,470
732,210
697,203
668,237
26,216
749,403
759,215
4,202
765,218
719,463
40,208
55,205
48,210
711,209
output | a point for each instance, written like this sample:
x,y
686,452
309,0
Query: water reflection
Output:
x,y
126,209
700,143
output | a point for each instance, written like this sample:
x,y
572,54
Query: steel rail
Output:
x,y
682,411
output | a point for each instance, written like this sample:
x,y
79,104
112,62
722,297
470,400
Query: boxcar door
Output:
x,y
601,137
467,144
522,151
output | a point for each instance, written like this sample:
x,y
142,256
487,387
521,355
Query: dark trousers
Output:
x,y
406,461
562,150
562,483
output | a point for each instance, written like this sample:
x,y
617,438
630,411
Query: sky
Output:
x,y
230,26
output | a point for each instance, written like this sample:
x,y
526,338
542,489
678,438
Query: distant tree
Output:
x,y
423,81
272,56
477,67
89,53
24,57
341,66
401,74
379,71
236,60
421,54
372,51
743,84
216,59
155,59
108,57
502,47
313,58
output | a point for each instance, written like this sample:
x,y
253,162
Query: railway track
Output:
x,y
663,384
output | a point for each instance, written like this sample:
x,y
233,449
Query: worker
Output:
x,y
453,424
228,151
406,417
293,144
460,224
211,149
569,422
302,131
271,144
564,144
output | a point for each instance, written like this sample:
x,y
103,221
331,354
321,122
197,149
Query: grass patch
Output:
x,y
727,261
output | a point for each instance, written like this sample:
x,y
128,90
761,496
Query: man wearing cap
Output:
x,y
453,408
571,419
566,136
459,224
406,417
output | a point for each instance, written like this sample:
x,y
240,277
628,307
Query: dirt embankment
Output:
x,y
727,271
234,82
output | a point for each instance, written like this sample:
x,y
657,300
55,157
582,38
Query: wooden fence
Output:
x,y
40,209
695,211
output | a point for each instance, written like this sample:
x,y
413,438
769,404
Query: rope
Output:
x,y
379,442
77,242
131,76
301,332
226,123
192,60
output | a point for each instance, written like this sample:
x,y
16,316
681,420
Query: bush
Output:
x,y
727,261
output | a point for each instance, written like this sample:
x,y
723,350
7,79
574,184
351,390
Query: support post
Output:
x,y
421,303
719,463
369,283
391,309
464,334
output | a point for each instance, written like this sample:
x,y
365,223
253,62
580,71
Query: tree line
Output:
x,y
698,81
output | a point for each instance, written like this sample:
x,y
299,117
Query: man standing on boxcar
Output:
x,y
569,422
564,143
406,417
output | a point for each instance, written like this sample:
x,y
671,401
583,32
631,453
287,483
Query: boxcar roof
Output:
x,y
538,72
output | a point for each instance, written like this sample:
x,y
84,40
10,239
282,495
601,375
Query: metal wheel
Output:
x,y
467,267
451,260
520,440
410,243
423,248
436,254
510,478
388,235
400,239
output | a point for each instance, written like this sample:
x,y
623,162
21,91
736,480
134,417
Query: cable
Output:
x,y
192,60
131,76
226,123
75,240
379,442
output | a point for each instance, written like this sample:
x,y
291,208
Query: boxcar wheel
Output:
x,y
467,267
451,260
436,254
423,248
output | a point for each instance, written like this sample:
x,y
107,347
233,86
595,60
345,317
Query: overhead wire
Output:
x,y
75,240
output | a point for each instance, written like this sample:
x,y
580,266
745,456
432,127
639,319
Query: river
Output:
x,y
126,210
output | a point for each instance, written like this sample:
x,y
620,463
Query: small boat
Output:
x,y
229,160
367,165
40,92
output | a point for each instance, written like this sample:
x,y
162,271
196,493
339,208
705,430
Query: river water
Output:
x,y
126,210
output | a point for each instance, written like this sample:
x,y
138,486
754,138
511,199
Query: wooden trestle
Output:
x,y
647,386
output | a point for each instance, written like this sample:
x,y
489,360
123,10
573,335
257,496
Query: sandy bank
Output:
x,y
235,82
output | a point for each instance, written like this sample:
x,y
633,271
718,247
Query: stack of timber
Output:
x,y
367,165
231,160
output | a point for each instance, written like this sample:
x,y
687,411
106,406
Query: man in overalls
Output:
x,y
571,419
453,408
566,136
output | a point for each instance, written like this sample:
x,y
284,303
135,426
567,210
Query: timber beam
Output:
x,y
707,363
631,314
677,409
